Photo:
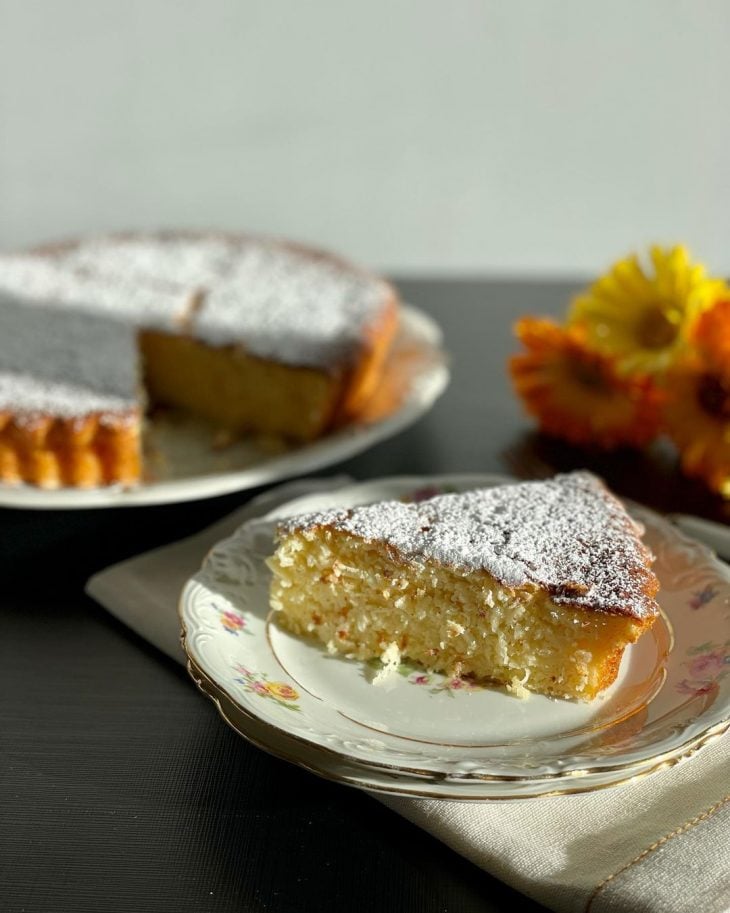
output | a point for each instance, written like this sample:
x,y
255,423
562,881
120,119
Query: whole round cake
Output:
x,y
252,334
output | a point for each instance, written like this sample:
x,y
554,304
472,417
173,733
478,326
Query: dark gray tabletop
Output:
x,y
122,790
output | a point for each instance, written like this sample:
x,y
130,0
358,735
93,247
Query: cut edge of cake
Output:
x,y
56,432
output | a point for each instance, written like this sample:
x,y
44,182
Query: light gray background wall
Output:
x,y
416,135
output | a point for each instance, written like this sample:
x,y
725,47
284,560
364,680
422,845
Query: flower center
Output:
x,y
589,373
714,396
659,327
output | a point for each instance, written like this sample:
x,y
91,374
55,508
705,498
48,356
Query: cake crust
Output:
x,y
48,451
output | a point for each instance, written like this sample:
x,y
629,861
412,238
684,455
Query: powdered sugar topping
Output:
x,y
290,306
59,282
41,397
567,534
190,263
69,316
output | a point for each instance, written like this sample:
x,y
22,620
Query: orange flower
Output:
x,y
712,336
697,418
576,393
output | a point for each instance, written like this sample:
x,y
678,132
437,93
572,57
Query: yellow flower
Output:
x,y
576,394
282,691
643,317
697,418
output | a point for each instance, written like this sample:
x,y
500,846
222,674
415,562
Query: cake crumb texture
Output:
x,y
538,586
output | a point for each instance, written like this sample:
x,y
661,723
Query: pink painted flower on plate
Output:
x,y
708,666
702,597
695,688
232,622
421,679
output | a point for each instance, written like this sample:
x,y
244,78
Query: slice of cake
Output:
x,y
251,334
70,393
536,585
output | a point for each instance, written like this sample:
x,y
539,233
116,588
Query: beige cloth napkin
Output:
x,y
659,845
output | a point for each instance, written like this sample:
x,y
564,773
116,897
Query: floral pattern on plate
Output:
x,y
256,683
435,683
703,596
233,622
710,664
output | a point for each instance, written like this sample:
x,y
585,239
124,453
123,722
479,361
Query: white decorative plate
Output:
x,y
186,466
426,734
332,766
